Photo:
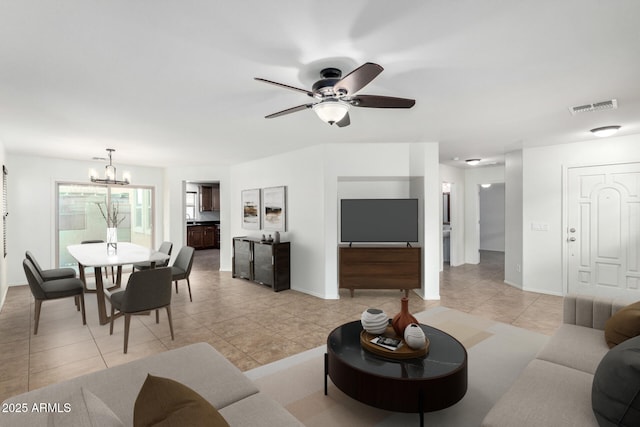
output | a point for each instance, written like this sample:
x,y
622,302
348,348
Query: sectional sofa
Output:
x,y
198,366
555,389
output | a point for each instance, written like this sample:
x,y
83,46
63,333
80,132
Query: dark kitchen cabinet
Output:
x,y
209,236
209,198
195,236
206,198
203,236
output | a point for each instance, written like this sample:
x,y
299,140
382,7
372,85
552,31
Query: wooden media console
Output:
x,y
380,267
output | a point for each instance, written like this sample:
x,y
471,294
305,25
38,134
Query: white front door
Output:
x,y
603,230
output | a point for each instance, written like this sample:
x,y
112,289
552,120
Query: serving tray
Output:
x,y
404,352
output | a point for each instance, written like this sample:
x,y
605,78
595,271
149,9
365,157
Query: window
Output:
x,y
190,203
79,217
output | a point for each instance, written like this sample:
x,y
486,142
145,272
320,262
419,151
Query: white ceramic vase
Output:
x,y
414,337
374,321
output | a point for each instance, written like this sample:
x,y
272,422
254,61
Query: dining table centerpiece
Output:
x,y
110,213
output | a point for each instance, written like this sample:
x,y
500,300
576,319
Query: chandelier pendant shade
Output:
x,y
110,176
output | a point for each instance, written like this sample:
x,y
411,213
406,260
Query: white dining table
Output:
x,y
97,255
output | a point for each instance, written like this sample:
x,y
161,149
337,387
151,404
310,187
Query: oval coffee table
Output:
x,y
430,383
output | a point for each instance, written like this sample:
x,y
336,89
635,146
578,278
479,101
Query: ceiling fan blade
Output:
x,y
376,101
289,111
284,86
345,121
357,79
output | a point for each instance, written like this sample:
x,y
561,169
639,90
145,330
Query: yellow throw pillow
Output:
x,y
163,402
624,324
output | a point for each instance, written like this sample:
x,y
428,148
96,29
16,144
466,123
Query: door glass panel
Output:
x,y
80,218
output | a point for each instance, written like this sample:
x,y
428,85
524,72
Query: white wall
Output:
x,y
355,161
32,205
302,173
543,169
513,219
174,210
473,178
492,218
389,161
456,177
424,166
316,177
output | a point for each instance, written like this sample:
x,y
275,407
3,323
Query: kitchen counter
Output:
x,y
203,223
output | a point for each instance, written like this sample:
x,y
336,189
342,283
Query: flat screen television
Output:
x,y
379,220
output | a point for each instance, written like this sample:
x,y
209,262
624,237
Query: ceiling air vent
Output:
x,y
611,104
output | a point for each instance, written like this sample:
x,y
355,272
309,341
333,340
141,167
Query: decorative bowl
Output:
x,y
414,336
374,321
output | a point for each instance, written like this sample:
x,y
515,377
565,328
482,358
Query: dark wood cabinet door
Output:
x,y
215,199
209,236
206,198
195,236
242,258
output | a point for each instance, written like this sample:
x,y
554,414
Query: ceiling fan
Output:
x,y
336,94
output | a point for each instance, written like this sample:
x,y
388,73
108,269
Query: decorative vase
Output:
x,y
414,336
112,239
374,321
403,319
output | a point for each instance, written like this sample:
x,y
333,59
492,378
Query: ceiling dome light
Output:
x,y
485,185
605,131
472,162
331,110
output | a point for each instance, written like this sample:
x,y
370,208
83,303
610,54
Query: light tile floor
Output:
x,y
247,322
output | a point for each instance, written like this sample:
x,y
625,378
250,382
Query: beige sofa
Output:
x,y
555,388
198,366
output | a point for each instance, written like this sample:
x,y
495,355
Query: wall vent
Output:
x,y
611,104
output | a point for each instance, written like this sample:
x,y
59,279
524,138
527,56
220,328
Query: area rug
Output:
x,y
497,353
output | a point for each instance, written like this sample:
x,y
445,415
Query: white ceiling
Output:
x,y
171,82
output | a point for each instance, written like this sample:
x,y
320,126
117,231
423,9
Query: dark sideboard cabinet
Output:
x,y
267,263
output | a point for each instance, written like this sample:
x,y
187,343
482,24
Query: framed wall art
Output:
x,y
251,209
274,211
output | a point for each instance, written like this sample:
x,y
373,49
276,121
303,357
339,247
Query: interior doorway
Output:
x,y
450,251
201,202
491,223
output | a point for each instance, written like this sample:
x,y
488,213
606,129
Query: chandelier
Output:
x,y
109,174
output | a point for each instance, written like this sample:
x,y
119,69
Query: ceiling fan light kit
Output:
x,y
605,131
331,111
336,94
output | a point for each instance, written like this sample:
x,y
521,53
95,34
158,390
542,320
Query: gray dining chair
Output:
x,y
52,273
165,248
146,290
181,268
52,289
